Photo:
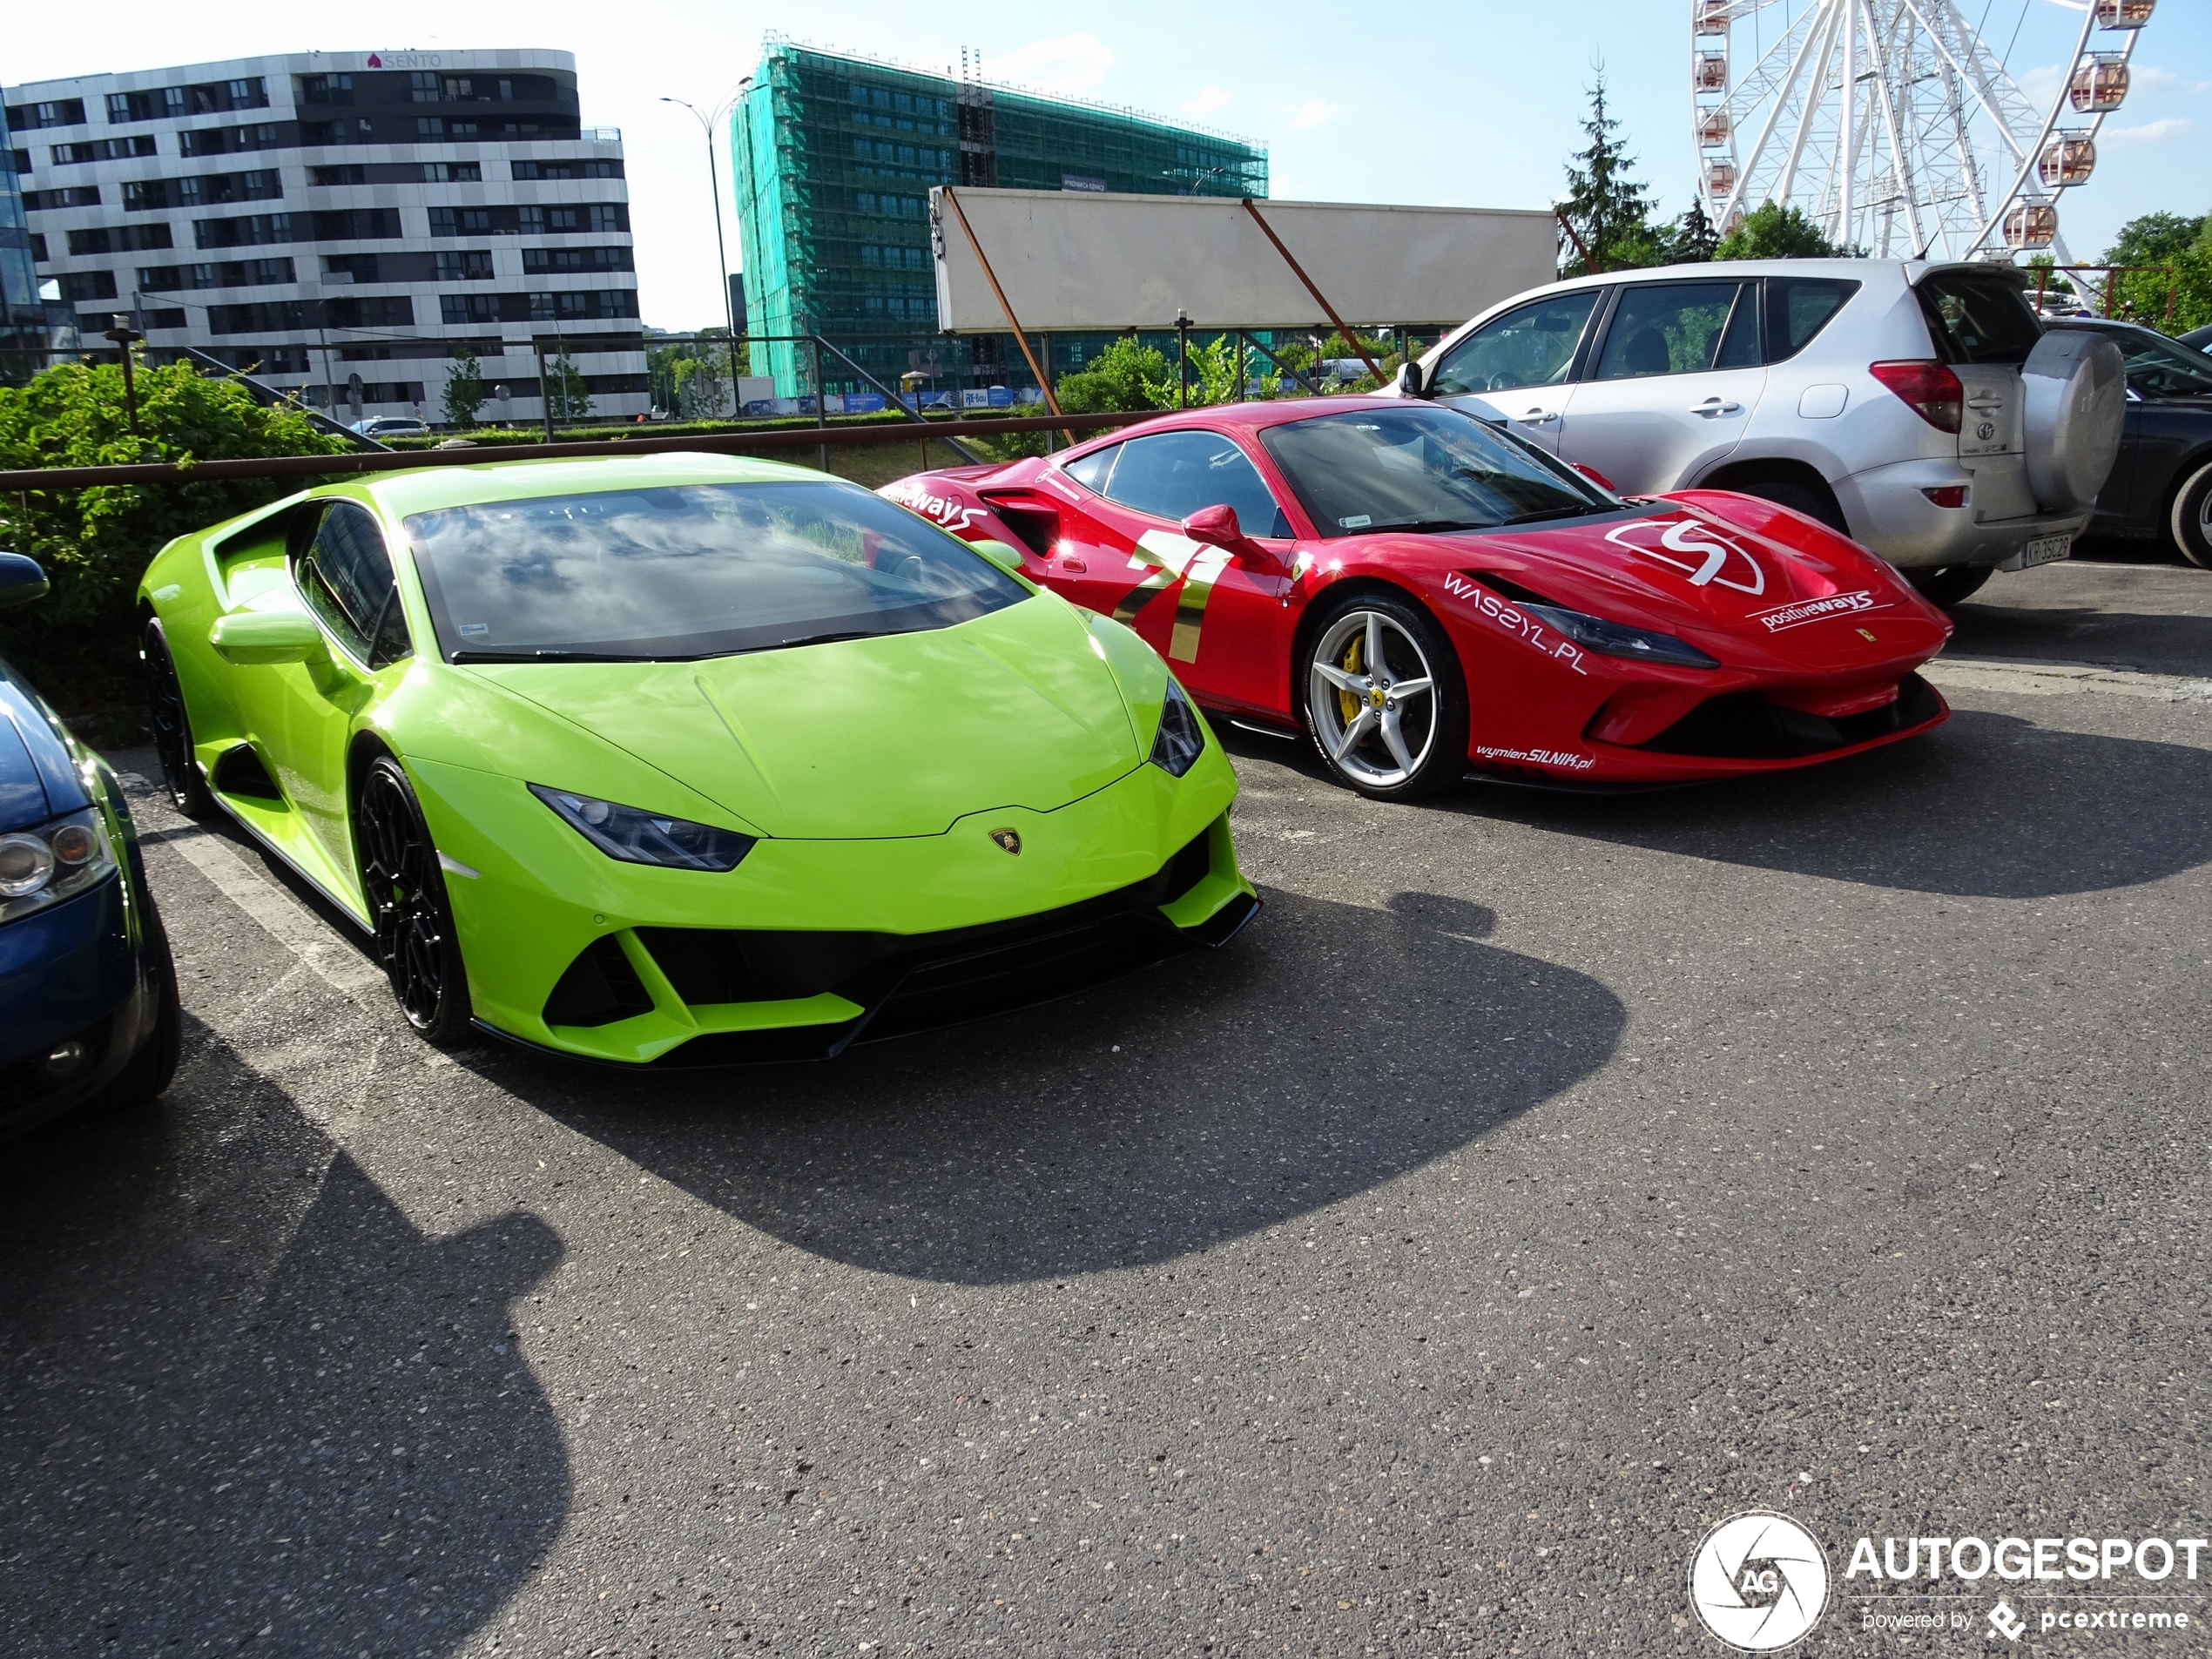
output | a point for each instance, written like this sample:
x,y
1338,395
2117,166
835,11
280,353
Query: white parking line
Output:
x,y
2053,679
288,922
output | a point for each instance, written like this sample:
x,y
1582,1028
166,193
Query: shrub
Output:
x,y
80,642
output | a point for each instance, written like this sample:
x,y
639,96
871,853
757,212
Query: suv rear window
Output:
x,y
1977,318
1799,307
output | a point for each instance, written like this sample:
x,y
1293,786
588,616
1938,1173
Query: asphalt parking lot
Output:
x,y
1540,1181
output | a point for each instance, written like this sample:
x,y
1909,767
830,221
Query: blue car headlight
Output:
x,y
55,862
1182,736
637,837
1618,639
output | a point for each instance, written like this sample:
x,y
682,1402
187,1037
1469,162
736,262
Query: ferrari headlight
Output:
x,y
637,837
1617,639
1182,736
55,862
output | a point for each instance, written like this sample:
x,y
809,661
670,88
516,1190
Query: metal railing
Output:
x,y
474,455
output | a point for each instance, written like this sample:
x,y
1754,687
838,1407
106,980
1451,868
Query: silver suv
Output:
x,y
1919,408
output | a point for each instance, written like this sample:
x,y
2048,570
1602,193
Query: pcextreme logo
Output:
x,y
1759,1582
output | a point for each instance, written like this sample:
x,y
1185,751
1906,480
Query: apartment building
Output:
x,y
343,223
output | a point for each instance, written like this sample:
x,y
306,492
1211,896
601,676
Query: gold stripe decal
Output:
x,y
1168,558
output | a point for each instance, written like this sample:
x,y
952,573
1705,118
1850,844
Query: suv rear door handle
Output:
x,y
1537,417
1713,406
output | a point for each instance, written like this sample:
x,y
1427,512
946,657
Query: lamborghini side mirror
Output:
x,y
998,553
261,637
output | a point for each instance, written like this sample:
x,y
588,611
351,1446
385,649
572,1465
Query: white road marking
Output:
x,y
289,922
2057,679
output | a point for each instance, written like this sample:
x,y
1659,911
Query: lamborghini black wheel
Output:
x,y
181,775
405,886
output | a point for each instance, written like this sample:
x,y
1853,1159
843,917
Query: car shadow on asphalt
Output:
x,y
1329,1048
245,1396
1985,806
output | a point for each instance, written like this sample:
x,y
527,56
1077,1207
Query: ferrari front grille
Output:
x,y
1743,725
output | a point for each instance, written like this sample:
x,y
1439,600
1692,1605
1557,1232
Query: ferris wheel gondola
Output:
x,y
1893,126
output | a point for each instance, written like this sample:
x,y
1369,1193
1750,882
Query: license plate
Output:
x,y
2044,550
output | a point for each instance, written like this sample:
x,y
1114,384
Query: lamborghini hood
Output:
x,y
1675,565
863,739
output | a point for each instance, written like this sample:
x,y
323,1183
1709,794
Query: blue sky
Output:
x,y
1471,105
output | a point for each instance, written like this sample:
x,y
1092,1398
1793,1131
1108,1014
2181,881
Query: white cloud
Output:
x,y
1316,112
2151,78
2150,133
1206,100
1064,64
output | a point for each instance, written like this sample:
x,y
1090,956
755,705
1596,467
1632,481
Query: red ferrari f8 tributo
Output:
x,y
1425,594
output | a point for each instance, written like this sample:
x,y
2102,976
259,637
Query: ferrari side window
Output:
x,y
345,575
1172,475
1091,470
1534,346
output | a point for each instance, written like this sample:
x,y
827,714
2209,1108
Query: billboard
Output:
x,y
1081,260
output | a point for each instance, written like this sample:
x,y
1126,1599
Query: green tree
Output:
x,y
81,642
1121,378
464,392
568,393
1607,206
1774,232
1691,238
2176,294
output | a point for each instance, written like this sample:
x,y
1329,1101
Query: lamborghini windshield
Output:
x,y
685,571
1417,467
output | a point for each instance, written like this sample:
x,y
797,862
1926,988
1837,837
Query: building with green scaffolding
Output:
x,y
835,157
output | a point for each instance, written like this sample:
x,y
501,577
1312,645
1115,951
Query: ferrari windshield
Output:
x,y
1418,467
685,571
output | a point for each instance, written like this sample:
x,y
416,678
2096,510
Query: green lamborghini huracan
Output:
x,y
687,761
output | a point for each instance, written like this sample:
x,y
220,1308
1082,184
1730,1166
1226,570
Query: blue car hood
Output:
x,y
37,778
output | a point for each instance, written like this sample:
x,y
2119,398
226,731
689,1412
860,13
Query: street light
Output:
x,y
714,184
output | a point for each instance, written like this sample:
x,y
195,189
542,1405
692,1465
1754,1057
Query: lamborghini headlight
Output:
x,y
1618,639
636,837
55,862
1182,736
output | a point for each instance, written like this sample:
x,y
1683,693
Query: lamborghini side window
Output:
x,y
345,575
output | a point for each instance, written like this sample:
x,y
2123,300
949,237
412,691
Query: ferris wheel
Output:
x,y
1894,126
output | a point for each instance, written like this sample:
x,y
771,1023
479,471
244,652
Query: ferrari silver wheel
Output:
x,y
1371,697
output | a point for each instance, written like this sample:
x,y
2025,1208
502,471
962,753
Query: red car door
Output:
x,y
1218,615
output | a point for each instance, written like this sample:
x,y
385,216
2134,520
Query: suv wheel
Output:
x,y
1951,584
2190,523
1799,497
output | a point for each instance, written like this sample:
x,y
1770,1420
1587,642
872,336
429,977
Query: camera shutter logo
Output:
x,y
1759,1581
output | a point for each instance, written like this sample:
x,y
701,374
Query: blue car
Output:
x,y
88,997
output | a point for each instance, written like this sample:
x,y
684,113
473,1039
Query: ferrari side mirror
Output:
x,y
259,637
21,581
998,553
1215,526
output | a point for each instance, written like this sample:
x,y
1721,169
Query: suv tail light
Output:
x,y
1931,387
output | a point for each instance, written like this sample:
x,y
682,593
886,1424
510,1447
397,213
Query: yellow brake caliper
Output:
x,y
1347,704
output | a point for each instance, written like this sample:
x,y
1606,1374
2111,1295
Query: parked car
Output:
x,y
380,426
2163,485
1423,594
2199,338
88,998
686,759
1918,409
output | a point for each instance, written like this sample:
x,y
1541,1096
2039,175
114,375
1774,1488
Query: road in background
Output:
x,y
1538,1181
